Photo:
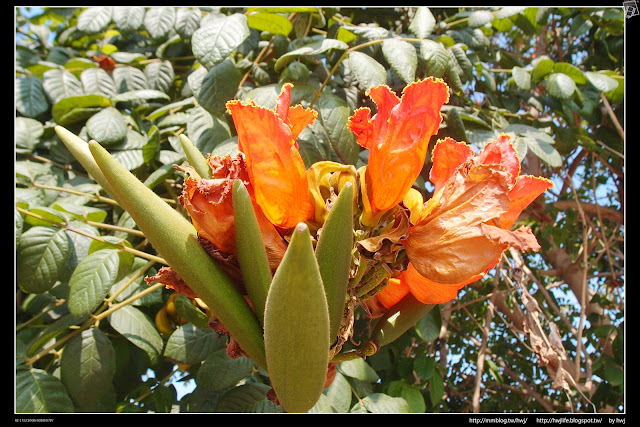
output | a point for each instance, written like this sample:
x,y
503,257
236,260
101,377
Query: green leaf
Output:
x,y
521,77
218,86
494,371
252,254
49,215
128,79
536,140
462,60
128,18
614,375
96,81
410,393
367,71
296,326
218,38
81,212
480,18
507,11
158,21
52,331
41,258
502,24
456,125
31,100
270,22
398,319
87,366
250,397
358,369
78,108
108,127
333,252
135,326
339,393
542,66
436,388
159,76
334,113
190,345
402,57
379,403
131,151
218,371
423,23
94,20
206,130
152,145
543,149
27,133
560,86
191,313
367,31
570,70
428,328
39,392
164,397
424,367
140,95
315,48
436,58
187,22
60,84
93,277
601,81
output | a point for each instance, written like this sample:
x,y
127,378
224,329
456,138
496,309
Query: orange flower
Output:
x,y
398,137
268,140
210,205
464,228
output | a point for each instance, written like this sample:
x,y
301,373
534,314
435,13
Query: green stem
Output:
x,y
374,277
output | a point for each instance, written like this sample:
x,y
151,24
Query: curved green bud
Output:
x,y
252,255
333,252
398,319
195,157
296,326
176,241
80,150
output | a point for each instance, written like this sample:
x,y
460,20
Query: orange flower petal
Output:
x,y
276,170
282,102
392,293
360,124
447,155
400,138
501,152
296,117
210,207
526,189
429,292
449,244
300,118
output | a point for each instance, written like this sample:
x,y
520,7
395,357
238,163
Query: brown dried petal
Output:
x,y
168,277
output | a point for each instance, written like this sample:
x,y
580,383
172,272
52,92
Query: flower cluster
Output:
x,y
429,249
